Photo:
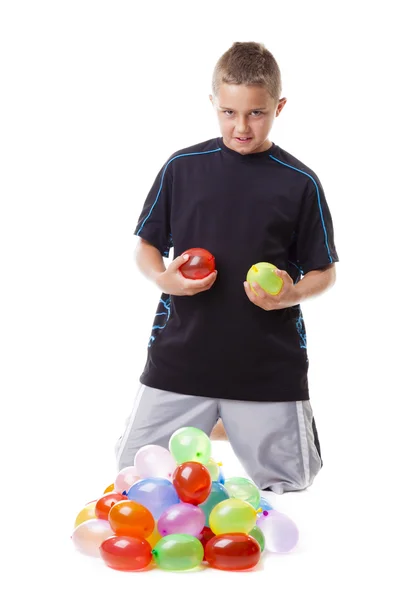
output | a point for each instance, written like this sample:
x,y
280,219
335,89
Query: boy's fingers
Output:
x,y
250,294
248,288
200,283
179,261
284,275
208,287
258,290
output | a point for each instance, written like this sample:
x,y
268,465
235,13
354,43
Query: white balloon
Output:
x,y
125,479
89,536
280,532
155,461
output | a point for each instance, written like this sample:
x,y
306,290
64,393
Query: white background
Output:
x,y
95,97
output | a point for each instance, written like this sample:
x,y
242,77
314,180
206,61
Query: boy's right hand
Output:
x,y
171,281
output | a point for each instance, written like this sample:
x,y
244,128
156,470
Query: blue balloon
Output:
x,y
155,493
218,494
265,505
221,478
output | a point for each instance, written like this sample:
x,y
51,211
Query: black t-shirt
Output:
x,y
244,209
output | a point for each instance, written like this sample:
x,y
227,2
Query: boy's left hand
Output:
x,y
287,296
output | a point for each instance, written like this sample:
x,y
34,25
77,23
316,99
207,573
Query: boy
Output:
x,y
219,349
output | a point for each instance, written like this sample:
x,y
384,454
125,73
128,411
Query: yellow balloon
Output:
x,y
86,513
232,516
154,537
109,488
213,468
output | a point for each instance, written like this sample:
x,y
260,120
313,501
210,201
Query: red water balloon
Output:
x,y
126,553
200,264
106,502
205,536
232,552
192,482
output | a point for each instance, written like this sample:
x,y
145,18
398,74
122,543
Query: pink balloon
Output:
x,y
89,536
280,532
155,461
182,518
125,479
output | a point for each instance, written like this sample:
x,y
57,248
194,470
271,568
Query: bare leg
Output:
x,y
218,433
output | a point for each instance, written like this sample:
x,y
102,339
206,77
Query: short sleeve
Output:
x,y
154,221
314,236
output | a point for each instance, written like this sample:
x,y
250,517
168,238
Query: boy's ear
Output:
x,y
211,99
280,106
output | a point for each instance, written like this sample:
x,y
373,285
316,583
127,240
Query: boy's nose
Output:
x,y
242,126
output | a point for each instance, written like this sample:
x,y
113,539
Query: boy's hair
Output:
x,y
248,63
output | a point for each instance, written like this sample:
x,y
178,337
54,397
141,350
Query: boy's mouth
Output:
x,y
243,140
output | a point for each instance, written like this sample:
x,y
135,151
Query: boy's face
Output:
x,y
246,112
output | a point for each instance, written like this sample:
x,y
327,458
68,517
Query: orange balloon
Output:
x,y
105,503
131,518
110,488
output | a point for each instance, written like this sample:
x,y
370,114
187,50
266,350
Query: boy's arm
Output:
x,y
155,241
314,254
315,283
312,284
149,260
170,280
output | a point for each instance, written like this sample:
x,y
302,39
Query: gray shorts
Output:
x,y
276,442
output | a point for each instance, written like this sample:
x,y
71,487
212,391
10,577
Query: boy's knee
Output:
x,y
282,487
291,481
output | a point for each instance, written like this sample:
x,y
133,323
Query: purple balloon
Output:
x,y
155,493
182,518
280,532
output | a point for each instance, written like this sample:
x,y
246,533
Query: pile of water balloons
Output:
x,y
174,510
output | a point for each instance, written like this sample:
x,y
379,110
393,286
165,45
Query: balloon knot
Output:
x,y
259,510
220,464
265,513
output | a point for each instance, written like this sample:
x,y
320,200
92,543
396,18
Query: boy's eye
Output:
x,y
229,112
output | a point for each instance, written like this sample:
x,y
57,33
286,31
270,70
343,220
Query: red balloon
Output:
x,y
126,553
105,503
205,536
232,552
192,482
200,264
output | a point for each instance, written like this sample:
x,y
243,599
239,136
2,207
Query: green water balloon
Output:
x,y
258,535
264,274
243,489
178,552
232,516
190,444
